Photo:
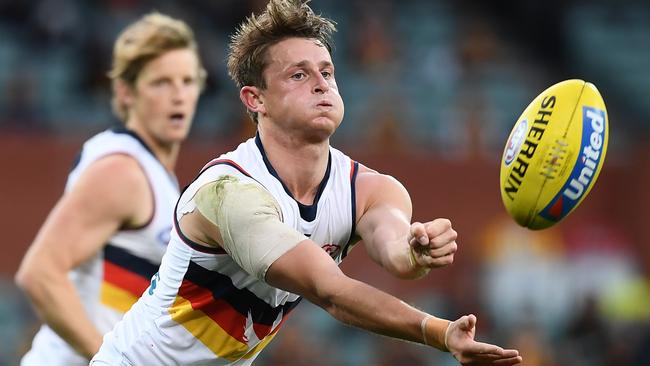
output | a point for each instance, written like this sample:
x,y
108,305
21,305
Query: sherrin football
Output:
x,y
554,154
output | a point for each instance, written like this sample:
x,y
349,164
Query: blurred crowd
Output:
x,y
442,77
447,76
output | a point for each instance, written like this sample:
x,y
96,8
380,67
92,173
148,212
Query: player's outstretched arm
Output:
x,y
406,250
75,230
307,270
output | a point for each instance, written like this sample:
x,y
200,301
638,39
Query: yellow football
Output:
x,y
554,154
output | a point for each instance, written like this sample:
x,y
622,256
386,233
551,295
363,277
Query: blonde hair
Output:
x,y
282,19
142,41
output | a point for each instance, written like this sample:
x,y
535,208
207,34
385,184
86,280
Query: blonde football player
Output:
x,y
104,239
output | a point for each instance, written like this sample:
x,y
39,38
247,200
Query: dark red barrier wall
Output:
x,y
34,170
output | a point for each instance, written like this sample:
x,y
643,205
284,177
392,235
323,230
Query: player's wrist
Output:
x,y
92,345
414,265
435,332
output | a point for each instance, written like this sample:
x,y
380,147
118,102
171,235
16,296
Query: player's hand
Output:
x,y
433,243
459,339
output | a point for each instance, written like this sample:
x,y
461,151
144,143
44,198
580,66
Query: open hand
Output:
x,y
459,339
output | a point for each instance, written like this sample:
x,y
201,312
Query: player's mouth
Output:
x,y
177,118
324,103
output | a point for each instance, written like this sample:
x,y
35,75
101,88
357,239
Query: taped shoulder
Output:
x,y
249,220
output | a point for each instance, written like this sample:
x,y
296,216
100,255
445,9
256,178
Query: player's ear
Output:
x,y
123,92
250,96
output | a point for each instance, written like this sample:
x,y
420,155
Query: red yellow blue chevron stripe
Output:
x,y
126,276
233,323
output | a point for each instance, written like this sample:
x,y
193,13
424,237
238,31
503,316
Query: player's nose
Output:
x,y
321,85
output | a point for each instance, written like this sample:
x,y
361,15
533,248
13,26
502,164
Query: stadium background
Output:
x,y
432,89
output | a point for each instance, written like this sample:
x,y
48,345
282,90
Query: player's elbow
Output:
x,y
323,294
25,278
31,278
332,293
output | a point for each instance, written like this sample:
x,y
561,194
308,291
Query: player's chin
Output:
x,y
324,126
330,119
178,135
319,132
182,130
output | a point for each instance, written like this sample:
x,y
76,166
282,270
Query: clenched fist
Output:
x,y
432,244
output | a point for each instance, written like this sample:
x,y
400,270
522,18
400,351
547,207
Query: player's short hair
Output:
x,y
144,40
282,19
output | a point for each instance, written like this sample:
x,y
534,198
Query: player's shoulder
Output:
x,y
114,135
116,140
370,181
119,172
115,185
374,189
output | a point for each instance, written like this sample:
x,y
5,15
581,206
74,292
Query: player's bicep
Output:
x,y
249,222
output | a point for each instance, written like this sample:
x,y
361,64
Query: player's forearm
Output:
x,y
58,305
360,305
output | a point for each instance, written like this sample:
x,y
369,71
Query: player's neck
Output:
x,y
166,153
300,165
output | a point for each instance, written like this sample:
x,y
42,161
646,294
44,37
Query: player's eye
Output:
x,y
189,81
159,82
298,76
326,74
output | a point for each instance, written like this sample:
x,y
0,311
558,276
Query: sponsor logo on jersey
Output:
x,y
332,249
